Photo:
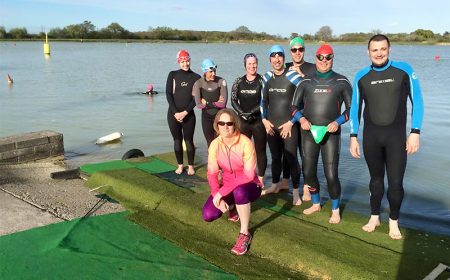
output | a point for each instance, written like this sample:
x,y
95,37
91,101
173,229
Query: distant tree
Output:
x,y
376,31
2,32
308,37
293,35
423,34
18,33
115,31
242,29
86,28
324,34
73,31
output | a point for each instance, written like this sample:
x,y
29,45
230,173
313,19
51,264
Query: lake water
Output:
x,y
88,90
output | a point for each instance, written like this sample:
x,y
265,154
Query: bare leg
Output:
x,y
179,169
284,185
314,208
394,231
244,215
374,222
296,200
272,189
306,194
191,170
335,217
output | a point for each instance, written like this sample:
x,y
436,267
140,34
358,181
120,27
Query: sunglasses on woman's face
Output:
x,y
221,123
328,57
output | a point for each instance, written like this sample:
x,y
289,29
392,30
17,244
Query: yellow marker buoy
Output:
x,y
46,45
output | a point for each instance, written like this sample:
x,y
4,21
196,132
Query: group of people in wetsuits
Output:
x,y
296,106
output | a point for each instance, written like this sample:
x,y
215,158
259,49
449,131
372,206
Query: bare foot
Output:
x,y
191,170
179,169
272,189
394,231
335,217
314,208
374,222
306,194
296,201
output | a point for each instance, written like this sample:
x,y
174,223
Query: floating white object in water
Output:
x,y
109,138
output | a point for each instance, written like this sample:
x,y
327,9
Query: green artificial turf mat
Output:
x,y
103,166
102,247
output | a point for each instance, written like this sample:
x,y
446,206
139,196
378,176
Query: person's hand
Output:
x,y
223,206
412,143
304,123
269,127
216,199
285,129
296,68
203,101
333,127
354,147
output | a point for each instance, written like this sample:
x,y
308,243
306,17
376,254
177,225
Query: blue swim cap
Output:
x,y
207,65
276,49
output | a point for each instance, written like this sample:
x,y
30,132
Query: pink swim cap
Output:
x,y
150,87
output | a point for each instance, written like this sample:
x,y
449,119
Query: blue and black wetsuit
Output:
x,y
179,96
322,96
276,106
384,91
211,91
246,101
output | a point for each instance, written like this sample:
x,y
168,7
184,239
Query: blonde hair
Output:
x,y
233,116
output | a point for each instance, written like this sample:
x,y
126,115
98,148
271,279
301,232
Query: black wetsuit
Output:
x,y
307,69
384,91
276,106
246,101
179,96
211,91
321,96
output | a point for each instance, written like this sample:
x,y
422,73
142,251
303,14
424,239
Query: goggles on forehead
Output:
x,y
277,53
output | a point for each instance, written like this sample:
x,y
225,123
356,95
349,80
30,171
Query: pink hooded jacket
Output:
x,y
238,164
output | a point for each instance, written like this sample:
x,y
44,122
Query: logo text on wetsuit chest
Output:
x,y
277,90
248,91
322,90
391,80
184,84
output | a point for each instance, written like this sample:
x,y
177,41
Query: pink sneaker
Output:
x,y
233,216
242,243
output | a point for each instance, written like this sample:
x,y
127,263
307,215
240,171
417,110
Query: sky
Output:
x,y
276,17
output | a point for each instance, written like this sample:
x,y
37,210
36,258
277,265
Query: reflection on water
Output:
x,y
89,90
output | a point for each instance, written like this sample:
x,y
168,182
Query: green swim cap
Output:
x,y
318,132
297,41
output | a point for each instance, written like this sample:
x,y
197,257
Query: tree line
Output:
x,y
114,31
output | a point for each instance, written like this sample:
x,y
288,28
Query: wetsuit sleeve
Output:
x,y
415,96
196,94
257,108
298,98
223,93
356,105
264,102
213,168
295,79
169,93
346,95
234,97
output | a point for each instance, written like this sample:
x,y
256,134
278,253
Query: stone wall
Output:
x,y
31,146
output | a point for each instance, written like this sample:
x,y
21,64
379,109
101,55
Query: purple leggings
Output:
x,y
242,194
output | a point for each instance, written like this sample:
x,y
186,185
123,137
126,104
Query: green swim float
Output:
x,y
318,132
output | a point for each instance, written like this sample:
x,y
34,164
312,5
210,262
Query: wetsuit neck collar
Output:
x,y
382,67
324,75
